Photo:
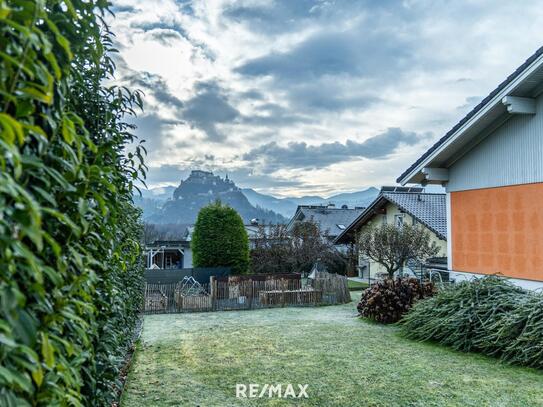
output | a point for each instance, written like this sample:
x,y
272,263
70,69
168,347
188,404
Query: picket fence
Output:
x,y
325,289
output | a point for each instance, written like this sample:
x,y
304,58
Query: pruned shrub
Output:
x,y
388,300
487,315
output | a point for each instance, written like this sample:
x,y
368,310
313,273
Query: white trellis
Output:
x,y
190,287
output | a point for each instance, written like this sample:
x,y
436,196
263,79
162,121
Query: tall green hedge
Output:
x,y
70,264
220,239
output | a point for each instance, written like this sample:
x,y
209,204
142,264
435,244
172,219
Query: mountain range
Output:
x,y
180,205
287,206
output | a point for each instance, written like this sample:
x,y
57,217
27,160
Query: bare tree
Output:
x,y
277,251
168,231
393,246
272,250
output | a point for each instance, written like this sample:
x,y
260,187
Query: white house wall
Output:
x,y
187,258
511,155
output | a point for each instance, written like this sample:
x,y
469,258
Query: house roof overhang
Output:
x,y
524,84
298,215
347,236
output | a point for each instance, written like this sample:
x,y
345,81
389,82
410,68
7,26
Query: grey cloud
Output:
x,y
185,6
330,94
165,36
155,85
164,30
302,155
336,71
123,9
166,174
153,129
248,178
243,177
208,108
359,52
161,26
271,114
273,17
252,94
280,16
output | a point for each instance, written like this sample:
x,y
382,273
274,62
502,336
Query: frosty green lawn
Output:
x,y
356,285
197,359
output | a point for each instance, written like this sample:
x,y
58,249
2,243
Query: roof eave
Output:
x,y
415,175
358,219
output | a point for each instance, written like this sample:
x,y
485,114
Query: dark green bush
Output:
x,y
220,239
388,300
70,263
487,315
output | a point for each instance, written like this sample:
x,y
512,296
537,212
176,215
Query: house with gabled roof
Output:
x,y
331,220
491,165
399,206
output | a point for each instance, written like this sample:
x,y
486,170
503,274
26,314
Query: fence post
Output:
x,y
212,291
283,293
251,294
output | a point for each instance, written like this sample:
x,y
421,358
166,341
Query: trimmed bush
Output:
x,y
388,300
220,239
487,315
70,261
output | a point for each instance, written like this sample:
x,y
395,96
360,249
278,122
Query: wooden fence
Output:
x,y
247,293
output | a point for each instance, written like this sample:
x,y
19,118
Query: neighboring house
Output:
x,y
399,206
170,254
332,221
164,254
491,164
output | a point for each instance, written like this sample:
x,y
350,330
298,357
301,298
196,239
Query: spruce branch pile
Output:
x,y
487,315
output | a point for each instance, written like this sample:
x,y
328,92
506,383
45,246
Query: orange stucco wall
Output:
x,y
499,230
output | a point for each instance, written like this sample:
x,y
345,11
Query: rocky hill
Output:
x,y
197,191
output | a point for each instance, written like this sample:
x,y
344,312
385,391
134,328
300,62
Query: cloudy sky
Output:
x,y
299,97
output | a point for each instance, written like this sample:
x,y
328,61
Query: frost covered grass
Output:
x,y
357,285
197,359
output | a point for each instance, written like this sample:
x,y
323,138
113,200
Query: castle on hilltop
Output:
x,y
201,182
